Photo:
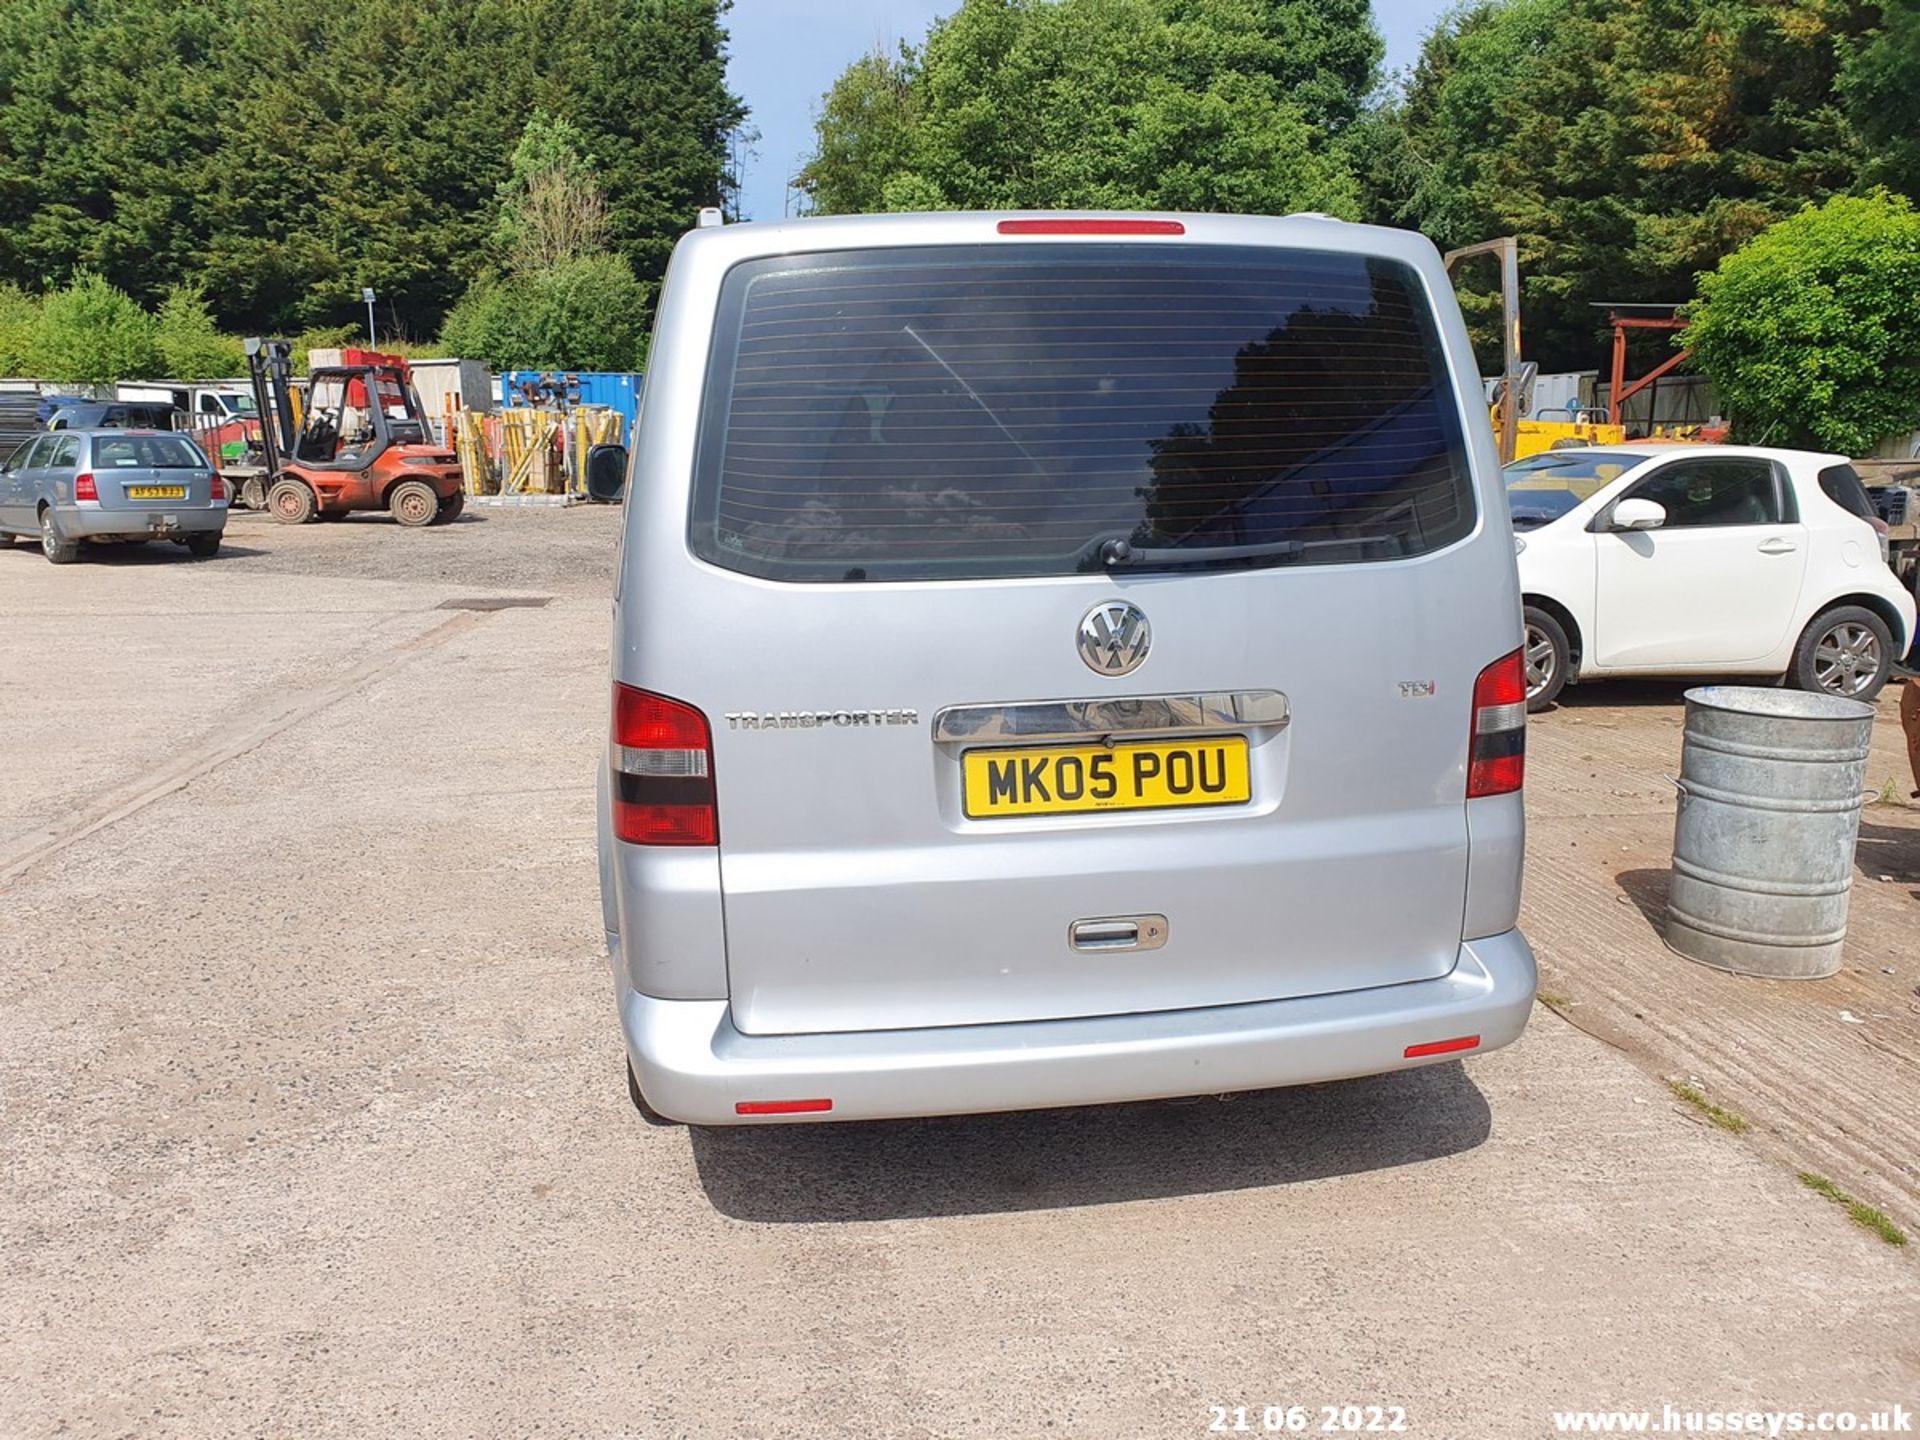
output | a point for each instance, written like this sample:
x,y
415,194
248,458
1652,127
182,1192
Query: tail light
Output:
x,y
662,758
85,489
1497,758
219,490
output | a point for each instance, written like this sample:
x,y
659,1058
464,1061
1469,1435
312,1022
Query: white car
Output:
x,y
1703,560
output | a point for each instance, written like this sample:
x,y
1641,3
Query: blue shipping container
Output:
x,y
616,389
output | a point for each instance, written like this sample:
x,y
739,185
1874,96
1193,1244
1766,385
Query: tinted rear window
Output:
x,y
146,452
929,413
1842,486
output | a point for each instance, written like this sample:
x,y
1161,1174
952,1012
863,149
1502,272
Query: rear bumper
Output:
x,y
695,1066
85,522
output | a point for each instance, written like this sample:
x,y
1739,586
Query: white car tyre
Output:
x,y
1846,651
1547,654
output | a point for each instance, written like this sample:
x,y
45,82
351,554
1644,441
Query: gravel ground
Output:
x,y
311,1093
542,549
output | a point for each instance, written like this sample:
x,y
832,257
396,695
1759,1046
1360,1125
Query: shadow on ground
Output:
x,y
1053,1159
1605,694
1890,852
1647,889
157,552
383,517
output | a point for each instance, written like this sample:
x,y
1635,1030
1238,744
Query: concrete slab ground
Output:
x,y
314,1123
1827,1072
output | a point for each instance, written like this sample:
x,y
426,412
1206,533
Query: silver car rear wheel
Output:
x,y
56,547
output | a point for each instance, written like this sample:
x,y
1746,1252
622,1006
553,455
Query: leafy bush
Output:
x,y
190,347
19,313
1811,330
588,314
552,209
93,333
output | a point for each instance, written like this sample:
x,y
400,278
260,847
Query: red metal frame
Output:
x,y
1620,391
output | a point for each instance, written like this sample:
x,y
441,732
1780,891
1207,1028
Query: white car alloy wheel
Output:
x,y
1543,665
1846,659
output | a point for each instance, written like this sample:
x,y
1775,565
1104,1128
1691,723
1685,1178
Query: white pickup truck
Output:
x,y
209,403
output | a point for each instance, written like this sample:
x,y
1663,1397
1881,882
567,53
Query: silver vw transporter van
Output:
x,y
1058,659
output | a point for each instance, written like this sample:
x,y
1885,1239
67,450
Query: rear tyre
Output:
x,y
413,503
55,546
647,1112
451,507
1546,658
291,502
203,545
1846,651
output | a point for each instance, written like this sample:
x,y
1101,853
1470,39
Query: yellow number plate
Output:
x,y
1071,779
156,492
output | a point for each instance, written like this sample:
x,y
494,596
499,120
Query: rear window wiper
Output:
x,y
1118,554
1122,554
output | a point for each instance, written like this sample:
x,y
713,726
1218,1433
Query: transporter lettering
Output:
x,y
816,719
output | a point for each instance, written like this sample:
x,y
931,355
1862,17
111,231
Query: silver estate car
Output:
x,y
68,487
1058,659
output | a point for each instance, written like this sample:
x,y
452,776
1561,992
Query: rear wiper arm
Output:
x,y
1119,554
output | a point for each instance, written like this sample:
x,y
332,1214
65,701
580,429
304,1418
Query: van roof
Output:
x,y
1305,230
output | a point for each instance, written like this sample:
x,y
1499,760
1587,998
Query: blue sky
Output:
x,y
786,53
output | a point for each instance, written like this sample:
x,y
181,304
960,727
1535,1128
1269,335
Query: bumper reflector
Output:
x,y
782,1107
1443,1047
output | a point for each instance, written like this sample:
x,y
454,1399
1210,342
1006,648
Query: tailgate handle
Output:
x,y
1119,932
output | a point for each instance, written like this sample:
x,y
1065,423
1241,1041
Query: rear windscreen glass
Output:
x,y
1843,486
146,452
976,412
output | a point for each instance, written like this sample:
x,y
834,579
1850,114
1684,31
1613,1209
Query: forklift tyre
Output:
x,y
253,493
291,502
451,507
413,503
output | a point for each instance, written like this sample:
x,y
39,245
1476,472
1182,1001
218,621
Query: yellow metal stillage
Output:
x,y
531,451
528,462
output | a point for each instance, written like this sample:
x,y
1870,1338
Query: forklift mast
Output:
x,y
270,368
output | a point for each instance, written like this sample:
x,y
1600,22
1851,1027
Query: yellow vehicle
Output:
x,y
1534,437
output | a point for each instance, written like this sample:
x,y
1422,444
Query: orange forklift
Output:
x,y
360,443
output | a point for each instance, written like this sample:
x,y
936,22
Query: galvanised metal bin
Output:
x,y
1771,786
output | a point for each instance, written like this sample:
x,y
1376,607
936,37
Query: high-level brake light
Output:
x,y
1066,225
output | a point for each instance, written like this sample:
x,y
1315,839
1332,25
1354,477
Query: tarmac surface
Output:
x,y
314,1120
